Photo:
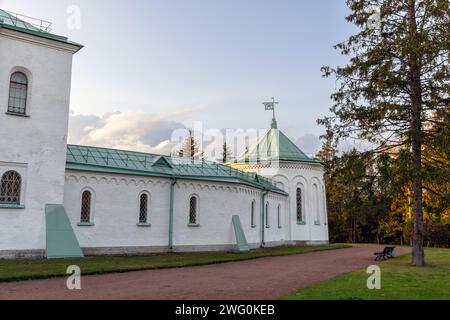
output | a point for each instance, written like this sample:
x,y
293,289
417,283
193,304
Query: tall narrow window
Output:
x,y
86,205
193,209
253,212
267,215
143,208
18,89
279,216
300,217
11,184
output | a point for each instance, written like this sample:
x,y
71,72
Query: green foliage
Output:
x,y
369,197
393,93
190,148
226,153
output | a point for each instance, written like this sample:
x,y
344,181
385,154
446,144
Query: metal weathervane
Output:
x,y
270,106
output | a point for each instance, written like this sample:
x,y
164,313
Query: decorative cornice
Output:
x,y
90,179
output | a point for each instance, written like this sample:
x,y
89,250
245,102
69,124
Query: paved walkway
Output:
x,y
260,279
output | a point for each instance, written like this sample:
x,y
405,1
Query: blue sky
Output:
x,y
205,60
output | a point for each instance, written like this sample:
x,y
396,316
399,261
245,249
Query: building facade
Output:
x,y
124,202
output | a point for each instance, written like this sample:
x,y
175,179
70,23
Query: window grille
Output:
x,y
193,211
86,199
253,214
18,93
11,184
143,208
300,205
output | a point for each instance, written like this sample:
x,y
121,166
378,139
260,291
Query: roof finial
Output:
x,y
271,106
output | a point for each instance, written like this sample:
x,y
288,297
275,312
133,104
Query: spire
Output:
x,y
271,106
274,124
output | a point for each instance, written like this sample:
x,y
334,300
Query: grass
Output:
x,y
17,270
399,281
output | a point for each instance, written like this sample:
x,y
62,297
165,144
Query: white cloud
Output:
x,y
136,131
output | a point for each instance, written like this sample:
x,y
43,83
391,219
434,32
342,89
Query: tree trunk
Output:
x,y
418,258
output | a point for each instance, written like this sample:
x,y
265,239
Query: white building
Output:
x,y
56,198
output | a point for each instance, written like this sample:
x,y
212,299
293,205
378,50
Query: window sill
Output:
x,y
85,224
193,225
301,223
316,223
143,225
280,227
17,114
11,206
253,226
267,227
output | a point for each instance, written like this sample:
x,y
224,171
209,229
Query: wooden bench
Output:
x,y
387,253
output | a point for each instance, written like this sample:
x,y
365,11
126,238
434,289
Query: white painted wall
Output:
x,y
35,146
115,212
288,176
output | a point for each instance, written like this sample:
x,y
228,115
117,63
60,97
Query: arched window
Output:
x,y
143,208
300,216
11,184
279,216
86,206
253,212
193,210
267,215
18,89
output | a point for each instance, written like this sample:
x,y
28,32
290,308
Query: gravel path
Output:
x,y
260,279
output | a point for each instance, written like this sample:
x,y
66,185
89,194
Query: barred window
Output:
x,y
193,203
253,221
11,184
300,217
267,216
86,205
143,208
18,89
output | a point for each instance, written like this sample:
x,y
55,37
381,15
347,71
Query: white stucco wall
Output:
x,y
289,176
115,212
34,146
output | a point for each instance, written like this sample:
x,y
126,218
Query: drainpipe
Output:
x,y
263,208
172,191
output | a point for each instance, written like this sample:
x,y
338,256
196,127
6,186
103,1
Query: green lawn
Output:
x,y
399,280
15,270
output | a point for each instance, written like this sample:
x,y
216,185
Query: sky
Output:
x,y
151,67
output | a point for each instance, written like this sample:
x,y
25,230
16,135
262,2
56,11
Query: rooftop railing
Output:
x,y
23,21
138,161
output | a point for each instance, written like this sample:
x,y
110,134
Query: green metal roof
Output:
x,y
145,164
275,146
12,21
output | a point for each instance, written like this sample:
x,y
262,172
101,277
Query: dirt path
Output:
x,y
264,278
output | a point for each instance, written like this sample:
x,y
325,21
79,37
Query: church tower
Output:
x,y
276,157
35,79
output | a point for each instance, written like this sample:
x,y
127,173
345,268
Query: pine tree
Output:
x,y
190,148
226,153
397,77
